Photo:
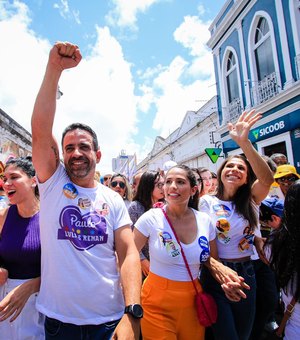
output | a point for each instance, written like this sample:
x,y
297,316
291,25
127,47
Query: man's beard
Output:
x,y
82,171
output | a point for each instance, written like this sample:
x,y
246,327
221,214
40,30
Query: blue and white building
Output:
x,y
256,50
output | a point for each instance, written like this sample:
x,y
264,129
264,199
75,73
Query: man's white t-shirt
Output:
x,y
165,255
80,282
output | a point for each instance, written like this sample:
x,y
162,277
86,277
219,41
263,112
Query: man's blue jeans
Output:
x,y
55,329
235,319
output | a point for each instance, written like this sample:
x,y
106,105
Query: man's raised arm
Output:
x,y
45,152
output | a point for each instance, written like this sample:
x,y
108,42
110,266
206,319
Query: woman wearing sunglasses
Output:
x,y
149,192
120,184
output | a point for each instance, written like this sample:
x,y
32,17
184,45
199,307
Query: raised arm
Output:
x,y
239,133
45,152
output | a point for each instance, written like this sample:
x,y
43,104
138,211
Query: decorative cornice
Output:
x,y
227,22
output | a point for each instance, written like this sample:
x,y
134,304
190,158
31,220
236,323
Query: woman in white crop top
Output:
x,y
168,294
243,184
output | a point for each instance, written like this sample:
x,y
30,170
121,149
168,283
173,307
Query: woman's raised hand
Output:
x,y
239,131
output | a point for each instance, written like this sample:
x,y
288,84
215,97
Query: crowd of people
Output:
x,y
80,259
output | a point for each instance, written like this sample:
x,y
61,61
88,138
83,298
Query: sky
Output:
x,y
145,64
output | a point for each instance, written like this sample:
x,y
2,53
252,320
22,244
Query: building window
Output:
x,y
265,84
233,87
263,50
231,78
295,22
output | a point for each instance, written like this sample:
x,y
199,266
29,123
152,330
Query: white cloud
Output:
x,y
193,34
65,11
176,99
99,92
172,96
150,72
63,8
125,12
24,54
146,99
201,10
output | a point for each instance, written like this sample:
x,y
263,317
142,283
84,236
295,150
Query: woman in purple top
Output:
x,y
20,254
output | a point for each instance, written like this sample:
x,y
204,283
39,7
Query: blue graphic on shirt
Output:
x,y
204,244
247,240
70,190
171,246
221,210
83,231
165,237
204,256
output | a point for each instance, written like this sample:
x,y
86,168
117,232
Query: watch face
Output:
x,y
137,311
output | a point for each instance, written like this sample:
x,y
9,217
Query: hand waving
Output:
x,y
240,130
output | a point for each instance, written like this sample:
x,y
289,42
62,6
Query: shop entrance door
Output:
x,y
275,148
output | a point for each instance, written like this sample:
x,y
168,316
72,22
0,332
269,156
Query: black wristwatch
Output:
x,y
135,310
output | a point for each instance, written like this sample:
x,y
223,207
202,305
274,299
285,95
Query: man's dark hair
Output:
x,y
83,127
265,213
272,165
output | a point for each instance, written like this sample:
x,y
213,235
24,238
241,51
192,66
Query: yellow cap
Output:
x,y
284,170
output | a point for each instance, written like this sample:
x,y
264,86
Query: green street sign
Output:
x,y
213,153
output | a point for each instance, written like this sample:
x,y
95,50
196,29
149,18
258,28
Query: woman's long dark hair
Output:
x,y
194,200
200,179
242,199
24,164
145,188
285,241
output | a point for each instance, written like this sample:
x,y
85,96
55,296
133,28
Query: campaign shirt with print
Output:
x,y
234,236
165,255
80,281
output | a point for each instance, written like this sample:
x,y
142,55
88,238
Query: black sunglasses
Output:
x,y
287,179
115,183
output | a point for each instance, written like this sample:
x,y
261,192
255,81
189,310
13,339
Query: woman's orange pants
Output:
x,y
170,310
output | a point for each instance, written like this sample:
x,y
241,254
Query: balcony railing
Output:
x,y
297,64
265,89
233,111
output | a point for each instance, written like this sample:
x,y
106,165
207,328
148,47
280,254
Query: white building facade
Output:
x,y
15,141
187,144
